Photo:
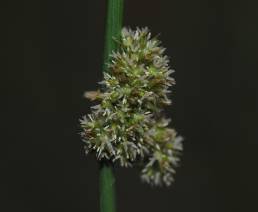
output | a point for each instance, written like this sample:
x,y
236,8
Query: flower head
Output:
x,y
127,126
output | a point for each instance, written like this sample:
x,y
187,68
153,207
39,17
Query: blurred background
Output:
x,y
53,53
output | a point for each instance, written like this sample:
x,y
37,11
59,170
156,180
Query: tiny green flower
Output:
x,y
128,126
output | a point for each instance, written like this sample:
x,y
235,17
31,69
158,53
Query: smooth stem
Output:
x,y
113,31
107,188
113,27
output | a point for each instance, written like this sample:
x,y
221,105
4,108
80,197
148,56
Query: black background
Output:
x,y
53,53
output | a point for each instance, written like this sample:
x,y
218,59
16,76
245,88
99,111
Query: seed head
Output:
x,y
128,126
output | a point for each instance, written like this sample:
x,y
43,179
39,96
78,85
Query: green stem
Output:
x,y
113,31
107,188
113,27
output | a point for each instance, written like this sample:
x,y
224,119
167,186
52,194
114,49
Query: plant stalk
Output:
x,y
107,188
113,27
113,31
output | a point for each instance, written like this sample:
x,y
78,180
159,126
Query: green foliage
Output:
x,y
127,126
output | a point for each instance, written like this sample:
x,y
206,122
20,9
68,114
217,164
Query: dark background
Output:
x,y
53,53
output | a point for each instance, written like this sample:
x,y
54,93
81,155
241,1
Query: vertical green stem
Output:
x,y
107,188
113,27
113,30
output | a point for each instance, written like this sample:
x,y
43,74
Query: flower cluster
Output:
x,y
128,126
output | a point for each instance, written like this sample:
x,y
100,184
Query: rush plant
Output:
x,y
127,126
